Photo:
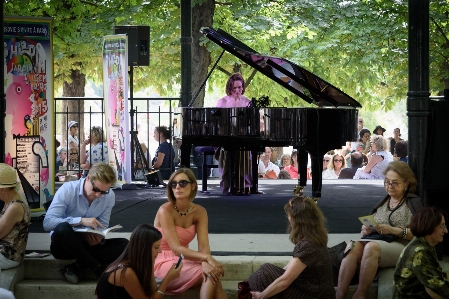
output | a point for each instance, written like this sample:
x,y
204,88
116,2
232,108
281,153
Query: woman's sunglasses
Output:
x,y
182,184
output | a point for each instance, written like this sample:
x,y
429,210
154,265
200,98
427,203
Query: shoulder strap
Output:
x,y
414,203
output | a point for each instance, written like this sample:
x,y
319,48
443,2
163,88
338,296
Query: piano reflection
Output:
x,y
311,131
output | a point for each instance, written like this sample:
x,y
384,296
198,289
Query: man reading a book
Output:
x,y
85,203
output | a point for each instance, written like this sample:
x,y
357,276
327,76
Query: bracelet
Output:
x,y
160,292
404,233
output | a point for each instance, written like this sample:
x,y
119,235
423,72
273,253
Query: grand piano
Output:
x,y
308,130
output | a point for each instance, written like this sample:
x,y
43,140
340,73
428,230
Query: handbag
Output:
x,y
336,253
244,291
376,236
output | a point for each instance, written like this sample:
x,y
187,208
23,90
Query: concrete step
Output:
x,y
52,289
42,278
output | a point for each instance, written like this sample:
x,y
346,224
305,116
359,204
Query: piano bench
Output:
x,y
205,151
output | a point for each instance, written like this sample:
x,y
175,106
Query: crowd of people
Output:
x,y
146,265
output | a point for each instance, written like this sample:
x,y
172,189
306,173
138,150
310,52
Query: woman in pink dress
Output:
x,y
293,168
179,220
235,90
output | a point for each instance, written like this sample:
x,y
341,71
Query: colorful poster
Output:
x,y
28,85
115,92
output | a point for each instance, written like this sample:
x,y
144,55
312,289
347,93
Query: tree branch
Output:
x,y
224,71
440,30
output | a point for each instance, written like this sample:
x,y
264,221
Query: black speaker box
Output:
x,y
138,44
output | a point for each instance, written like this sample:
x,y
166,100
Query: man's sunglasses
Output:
x,y
95,189
181,183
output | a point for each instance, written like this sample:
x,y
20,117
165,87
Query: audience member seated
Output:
x,y
73,172
309,272
346,153
165,154
401,151
396,138
393,215
266,168
98,151
62,161
274,158
379,131
292,169
364,141
179,221
326,159
379,160
14,219
418,273
356,162
128,275
286,160
336,164
72,136
85,203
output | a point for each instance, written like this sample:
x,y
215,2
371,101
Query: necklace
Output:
x,y
182,214
391,207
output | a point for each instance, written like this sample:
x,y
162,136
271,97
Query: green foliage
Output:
x,y
360,46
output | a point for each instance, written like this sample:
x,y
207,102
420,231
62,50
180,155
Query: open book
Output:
x,y
368,221
101,233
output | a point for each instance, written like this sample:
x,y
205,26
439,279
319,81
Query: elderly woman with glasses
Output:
x,y
418,273
381,245
336,164
180,220
379,160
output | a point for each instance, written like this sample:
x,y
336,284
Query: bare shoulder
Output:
x,y
200,211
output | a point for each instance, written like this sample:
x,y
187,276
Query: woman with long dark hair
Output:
x,y
131,275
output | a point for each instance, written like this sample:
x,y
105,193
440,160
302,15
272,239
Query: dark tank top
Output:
x,y
106,290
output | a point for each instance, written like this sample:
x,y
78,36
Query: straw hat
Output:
x,y
8,176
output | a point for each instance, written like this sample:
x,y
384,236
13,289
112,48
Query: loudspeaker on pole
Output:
x,y
138,44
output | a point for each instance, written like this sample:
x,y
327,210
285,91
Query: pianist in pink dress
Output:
x,y
179,220
235,90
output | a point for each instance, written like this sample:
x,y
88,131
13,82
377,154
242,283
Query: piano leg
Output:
x,y
317,172
254,172
302,167
185,155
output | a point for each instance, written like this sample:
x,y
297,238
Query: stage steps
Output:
x,y
39,278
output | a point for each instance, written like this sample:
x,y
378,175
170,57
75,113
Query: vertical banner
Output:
x,y
115,92
28,85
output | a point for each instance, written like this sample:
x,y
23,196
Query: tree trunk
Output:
x,y
72,110
202,16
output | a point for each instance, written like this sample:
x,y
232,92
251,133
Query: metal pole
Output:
x,y
186,52
418,102
2,101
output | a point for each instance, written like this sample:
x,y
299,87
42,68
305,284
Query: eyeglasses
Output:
x,y
443,226
182,184
74,127
73,153
238,87
338,160
95,189
327,161
392,184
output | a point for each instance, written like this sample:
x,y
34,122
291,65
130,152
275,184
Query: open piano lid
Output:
x,y
298,80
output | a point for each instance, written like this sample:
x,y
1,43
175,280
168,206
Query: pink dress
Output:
x,y
191,270
292,170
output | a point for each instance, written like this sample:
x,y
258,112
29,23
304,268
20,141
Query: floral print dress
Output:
x,y
418,268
